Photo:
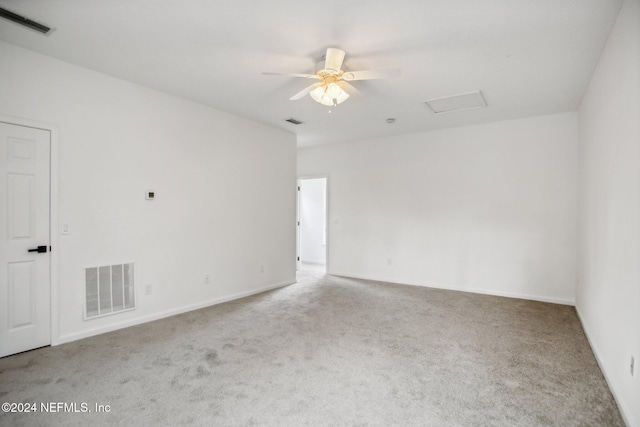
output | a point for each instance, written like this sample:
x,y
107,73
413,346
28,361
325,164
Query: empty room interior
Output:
x,y
341,213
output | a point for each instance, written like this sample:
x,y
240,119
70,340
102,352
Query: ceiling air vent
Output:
x,y
462,102
25,22
293,121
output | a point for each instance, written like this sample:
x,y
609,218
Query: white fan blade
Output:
x,y
307,76
349,88
333,59
304,91
369,74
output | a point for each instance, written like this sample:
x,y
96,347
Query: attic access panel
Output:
x,y
461,102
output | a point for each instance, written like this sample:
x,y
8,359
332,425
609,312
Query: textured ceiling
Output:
x,y
528,57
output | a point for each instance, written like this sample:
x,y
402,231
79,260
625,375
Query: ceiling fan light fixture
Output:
x,y
342,97
334,91
329,95
317,94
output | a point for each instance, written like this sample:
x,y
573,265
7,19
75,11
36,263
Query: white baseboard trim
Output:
x,y
470,290
168,313
313,261
621,407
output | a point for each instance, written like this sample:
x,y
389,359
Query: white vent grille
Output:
x,y
109,289
25,22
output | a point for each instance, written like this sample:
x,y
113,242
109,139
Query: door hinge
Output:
x,y
298,258
298,188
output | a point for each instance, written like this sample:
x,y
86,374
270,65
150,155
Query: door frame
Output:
x,y
53,213
326,217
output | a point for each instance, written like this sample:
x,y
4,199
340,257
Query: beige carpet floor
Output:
x,y
327,351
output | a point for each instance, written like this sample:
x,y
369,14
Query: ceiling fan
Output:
x,y
333,80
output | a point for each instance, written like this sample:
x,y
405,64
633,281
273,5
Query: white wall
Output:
x,y
608,294
225,190
489,208
312,220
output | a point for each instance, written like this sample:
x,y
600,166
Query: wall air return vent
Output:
x,y
25,22
462,102
109,290
294,121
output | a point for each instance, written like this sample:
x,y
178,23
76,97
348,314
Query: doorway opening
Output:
x,y
312,232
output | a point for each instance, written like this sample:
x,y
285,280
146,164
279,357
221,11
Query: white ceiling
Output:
x,y
528,57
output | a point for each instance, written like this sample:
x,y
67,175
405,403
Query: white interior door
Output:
x,y
25,302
